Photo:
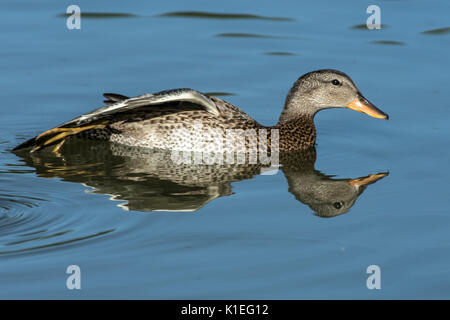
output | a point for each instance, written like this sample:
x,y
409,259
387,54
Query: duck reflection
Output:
x,y
148,180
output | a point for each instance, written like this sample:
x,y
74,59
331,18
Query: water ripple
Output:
x,y
29,223
214,15
54,244
219,94
439,31
388,42
252,35
364,27
279,53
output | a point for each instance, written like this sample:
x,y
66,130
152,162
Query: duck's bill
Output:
x,y
361,104
364,181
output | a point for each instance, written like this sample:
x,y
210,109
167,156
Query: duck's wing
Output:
x,y
98,119
118,104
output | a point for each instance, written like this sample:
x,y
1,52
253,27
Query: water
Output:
x,y
258,236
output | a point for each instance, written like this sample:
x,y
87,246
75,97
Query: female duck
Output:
x,y
183,119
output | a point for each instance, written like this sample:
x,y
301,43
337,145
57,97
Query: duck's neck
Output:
x,y
296,123
296,134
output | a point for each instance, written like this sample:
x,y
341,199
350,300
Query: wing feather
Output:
x,y
144,100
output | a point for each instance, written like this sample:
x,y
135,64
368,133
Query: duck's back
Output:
x,y
181,126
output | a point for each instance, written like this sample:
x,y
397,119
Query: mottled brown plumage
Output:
x,y
184,119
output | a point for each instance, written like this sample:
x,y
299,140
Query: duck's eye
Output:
x,y
335,82
337,205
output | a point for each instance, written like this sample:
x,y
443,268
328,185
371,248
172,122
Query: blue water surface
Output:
x,y
258,241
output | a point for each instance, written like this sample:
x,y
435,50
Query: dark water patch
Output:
x,y
251,35
364,27
214,15
60,243
53,235
388,42
279,53
12,220
12,213
101,15
7,204
33,233
219,94
436,32
8,201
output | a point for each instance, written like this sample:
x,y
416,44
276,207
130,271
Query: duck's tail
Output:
x,y
57,136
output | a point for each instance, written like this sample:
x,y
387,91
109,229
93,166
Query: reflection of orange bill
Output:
x,y
364,181
364,106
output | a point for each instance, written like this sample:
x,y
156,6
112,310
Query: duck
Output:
x,y
186,119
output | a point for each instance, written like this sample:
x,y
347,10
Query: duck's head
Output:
x,y
323,89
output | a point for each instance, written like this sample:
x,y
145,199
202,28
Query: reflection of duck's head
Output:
x,y
327,197
343,195
325,89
